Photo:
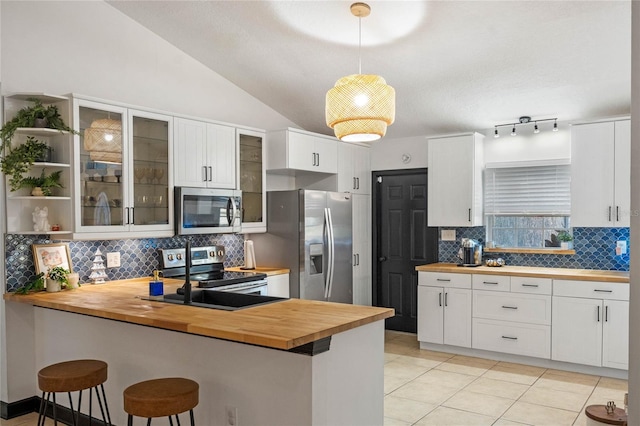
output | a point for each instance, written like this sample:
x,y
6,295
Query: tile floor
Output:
x,y
435,388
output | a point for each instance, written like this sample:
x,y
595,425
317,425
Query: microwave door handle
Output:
x,y
229,209
235,211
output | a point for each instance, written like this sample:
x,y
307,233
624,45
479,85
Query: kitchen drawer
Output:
x,y
591,289
513,338
531,285
444,279
491,282
529,308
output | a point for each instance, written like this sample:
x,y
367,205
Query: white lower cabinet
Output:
x,y
588,326
444,309
512,337
278,285
509,320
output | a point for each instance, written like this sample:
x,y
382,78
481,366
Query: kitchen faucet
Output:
x,y
187,273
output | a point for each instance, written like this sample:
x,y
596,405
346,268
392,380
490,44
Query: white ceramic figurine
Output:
x,y
41,220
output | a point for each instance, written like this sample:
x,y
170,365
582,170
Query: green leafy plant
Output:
x,y
26,117
36,285
58,273
18,161
44,181
564,236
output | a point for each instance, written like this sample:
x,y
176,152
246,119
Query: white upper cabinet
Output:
x,y
600,174
293,149
354,168
204,154
251,180
455,180
124,180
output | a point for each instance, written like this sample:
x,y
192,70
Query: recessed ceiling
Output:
x,y
456,65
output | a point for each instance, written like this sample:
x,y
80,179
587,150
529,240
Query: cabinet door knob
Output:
x,y
382,259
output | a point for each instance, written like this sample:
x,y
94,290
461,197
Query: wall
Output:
x,y
386,154
138,257
93,49
634,309
594,247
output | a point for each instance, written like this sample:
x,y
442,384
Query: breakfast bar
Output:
x,y
289,362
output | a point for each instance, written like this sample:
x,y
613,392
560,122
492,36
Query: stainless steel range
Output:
x,y
207,269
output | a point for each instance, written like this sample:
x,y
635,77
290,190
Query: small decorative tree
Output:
x,y
98,274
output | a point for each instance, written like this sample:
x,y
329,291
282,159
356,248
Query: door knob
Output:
x,y
382,259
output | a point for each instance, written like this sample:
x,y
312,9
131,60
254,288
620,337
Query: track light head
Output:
x,y
555,126
496,134
513,131
535,128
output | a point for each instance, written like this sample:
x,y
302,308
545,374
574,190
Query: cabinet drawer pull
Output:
x,y
443,280
210,174
598,313
469,215
490,282
509,338
204,169
617,213
606,314
509,307
530,285
318,157
445,299
609,213
603,291
439,299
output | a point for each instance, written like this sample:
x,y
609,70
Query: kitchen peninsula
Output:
x,y
290,362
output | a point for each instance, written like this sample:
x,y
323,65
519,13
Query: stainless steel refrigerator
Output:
x,y
309,232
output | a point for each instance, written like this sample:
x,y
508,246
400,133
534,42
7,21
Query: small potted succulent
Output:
x,y
57,278
566,240
42,185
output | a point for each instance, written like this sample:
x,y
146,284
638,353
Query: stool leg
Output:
x,y
129,420
55,415
177,420
104,419
193,423
73,417
106,406
170,421
43,408
90,405
149,421
79,406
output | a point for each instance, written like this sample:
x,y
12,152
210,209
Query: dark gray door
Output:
x,y
402,242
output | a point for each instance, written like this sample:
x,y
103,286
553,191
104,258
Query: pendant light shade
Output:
x,y
360,107
103,140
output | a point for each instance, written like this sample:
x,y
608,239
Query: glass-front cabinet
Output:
x,y
123,171
252,179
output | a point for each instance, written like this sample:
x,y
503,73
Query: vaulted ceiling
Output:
x,y
456,65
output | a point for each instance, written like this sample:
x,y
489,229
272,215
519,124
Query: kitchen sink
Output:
x,y
223,300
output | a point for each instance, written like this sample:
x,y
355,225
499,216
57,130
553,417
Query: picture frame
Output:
x,y
46,256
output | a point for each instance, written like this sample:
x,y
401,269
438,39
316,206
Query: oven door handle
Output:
x,y
235,288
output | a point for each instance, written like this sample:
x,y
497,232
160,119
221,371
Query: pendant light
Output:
x,y
360,106
103,140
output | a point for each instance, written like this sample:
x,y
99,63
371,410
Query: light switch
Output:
x,y
448,234
113,259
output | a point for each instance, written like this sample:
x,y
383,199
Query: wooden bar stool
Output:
x,y
161,398
73,376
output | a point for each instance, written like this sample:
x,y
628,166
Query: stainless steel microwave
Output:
x,y
207,210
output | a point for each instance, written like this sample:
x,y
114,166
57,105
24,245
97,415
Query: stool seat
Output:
x,y
599,414
161,397
71,376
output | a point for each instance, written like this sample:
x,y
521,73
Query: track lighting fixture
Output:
x,y
524,120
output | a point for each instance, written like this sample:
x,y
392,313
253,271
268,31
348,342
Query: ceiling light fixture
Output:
x,y
524,120
360,106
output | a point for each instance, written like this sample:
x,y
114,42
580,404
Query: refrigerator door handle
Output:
x,y
326,277
330,250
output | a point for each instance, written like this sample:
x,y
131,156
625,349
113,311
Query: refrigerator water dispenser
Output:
x,y
315,257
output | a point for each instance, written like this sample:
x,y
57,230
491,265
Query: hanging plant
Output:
x,y
26,117
18,161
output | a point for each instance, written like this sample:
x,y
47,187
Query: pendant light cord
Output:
x,y
359,44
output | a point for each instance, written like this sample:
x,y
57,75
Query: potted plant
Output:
x,y
18,161
36,115
36,285
57,278
566,240
43,184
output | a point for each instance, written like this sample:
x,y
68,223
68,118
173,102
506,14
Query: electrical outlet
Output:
x,y
621,247
232,415
448,235
113,259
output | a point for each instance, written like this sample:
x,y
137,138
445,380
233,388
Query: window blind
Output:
x,y
543,190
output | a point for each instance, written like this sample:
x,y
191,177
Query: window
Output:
x,y
527,204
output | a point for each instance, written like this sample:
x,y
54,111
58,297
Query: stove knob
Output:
x,y
179,256
212,254
220,253
169,257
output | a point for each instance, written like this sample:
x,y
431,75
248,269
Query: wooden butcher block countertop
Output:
x,y
530,271
281,325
